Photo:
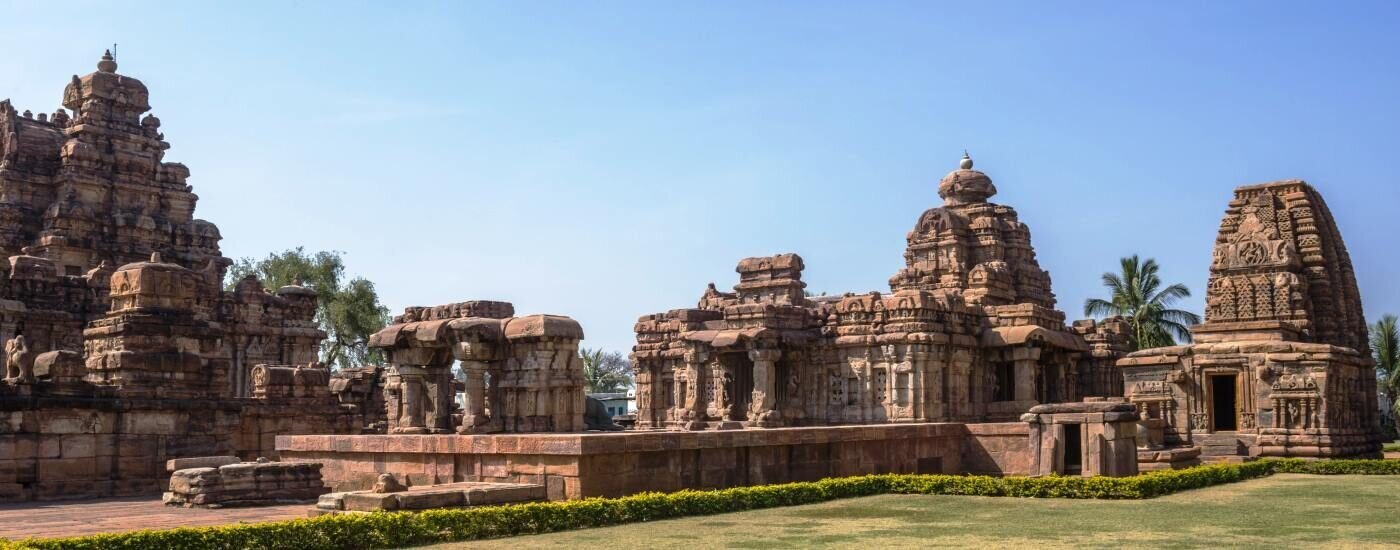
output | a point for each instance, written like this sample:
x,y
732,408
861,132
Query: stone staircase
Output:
x,y
1224,447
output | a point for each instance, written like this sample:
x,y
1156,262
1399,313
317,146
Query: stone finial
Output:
x,y
966,163
108,64
155,257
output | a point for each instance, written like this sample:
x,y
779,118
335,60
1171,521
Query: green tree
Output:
x,y
1385,346
1137,295
349,311
605,371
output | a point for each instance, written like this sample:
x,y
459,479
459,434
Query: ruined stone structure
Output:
x,y
521,374
969,332
225,482
1281,366
121,347
86,190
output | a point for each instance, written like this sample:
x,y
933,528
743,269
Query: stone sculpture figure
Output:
x,y
19,364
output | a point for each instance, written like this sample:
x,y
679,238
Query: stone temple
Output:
x,y
968,333
1282,365
85,190
123,349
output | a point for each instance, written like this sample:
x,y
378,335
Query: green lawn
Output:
x,y
1283,510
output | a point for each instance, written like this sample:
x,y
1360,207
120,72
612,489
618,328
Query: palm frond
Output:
x,y
1097,307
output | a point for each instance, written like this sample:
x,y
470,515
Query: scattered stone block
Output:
x,y
246,484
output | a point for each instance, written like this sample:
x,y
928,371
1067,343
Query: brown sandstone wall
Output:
x,y
71,448
599,464
998,448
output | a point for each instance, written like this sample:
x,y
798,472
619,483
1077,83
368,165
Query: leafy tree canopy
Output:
x,y
605,371
349,311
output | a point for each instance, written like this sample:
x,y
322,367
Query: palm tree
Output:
x,y
1138,297
605,371
1385,346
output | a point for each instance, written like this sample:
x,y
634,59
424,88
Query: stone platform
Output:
x,y
578,465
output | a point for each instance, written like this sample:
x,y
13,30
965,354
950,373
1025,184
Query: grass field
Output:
x,y
1286,510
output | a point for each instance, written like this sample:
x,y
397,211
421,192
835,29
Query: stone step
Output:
x,y
1224,449
1227,459
1222,444
447,495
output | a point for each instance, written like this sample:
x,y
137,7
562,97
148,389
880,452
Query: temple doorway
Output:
x,y
1222,399
740,384
1074,449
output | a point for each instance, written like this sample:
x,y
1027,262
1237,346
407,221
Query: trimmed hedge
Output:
x,y
400,529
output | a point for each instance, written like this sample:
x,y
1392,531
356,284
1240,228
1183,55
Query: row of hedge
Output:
x,y
401,529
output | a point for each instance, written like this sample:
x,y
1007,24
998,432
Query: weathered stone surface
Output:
x,y
1282,365
969,333
175,464
532,362
446,495
1105,434
261,483
122,348
616,464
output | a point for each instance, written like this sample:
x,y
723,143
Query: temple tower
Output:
x,y
977,248
1281,366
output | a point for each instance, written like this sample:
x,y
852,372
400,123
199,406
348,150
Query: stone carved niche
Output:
x,y
1258,239
1295,399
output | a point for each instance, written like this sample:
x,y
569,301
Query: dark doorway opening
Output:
x,y
740,386
1005,389
1222,400
1074,449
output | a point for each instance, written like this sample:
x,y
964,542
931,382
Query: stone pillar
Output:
x,y
761,407
1025,360
474,417
440,401
692,406
646,386
479,358
409,382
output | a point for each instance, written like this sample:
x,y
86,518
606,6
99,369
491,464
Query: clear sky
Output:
x,y
604,160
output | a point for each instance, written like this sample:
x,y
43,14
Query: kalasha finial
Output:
x,y
966,163
108,63
155,257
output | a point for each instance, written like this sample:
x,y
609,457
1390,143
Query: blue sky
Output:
x,y
604,160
